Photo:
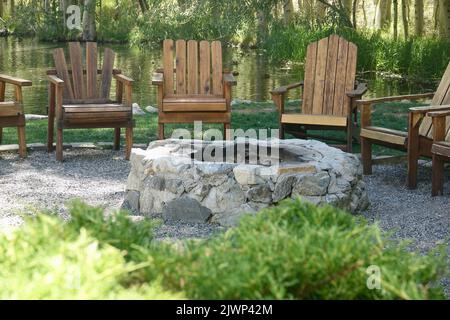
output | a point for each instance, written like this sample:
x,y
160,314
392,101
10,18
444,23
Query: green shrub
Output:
x,y
293,251
49,259
299,251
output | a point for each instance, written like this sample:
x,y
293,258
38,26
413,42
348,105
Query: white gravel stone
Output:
x,y
151,109
137,111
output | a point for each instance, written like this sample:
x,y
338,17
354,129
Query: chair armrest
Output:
x,y
429,109
284,89
229,79
440,113
361,88
396,98
123,79
15,81
55,80
158,79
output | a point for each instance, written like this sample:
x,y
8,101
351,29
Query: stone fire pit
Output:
x,y
214,182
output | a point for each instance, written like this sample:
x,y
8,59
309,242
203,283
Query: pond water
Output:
x,y
29,59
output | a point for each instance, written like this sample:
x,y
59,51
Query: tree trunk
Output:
x,y
418,17
288,9
320,10
89,30
444,19
347,5
354,9
364,12
383,14
405,18
395,25
143,5
436,15
262,27
1,8
11,7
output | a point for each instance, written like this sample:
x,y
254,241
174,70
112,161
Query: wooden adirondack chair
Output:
x,y
440,149
11,112
329,91
417,141
197,89
79,103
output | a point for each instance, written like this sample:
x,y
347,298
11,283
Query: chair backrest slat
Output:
x,y
91,70
62,72
319,81
310,72
330,84
441,97
192,58
350,78
330,70
107,70
168,51
180,46
79,89
205,68
216,56
198,68
341,69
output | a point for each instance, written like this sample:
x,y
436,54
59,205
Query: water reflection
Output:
x,y
28,58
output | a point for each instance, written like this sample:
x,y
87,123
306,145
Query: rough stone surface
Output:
x,y
185,209
32,117
170,170
137,111
151,109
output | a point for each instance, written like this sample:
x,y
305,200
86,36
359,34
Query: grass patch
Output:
x,y
292,251
417,57
245,116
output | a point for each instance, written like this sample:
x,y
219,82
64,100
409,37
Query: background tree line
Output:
x,y
397,17
399,36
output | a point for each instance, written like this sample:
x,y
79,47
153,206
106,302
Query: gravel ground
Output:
x,y
98,177
410,214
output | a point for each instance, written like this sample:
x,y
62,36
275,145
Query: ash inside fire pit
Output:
x,y
219,181
266,154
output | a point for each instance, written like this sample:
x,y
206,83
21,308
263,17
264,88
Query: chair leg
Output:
x,y
437,181
413,159
227,131
59,145
281,131
129,142
161,131
350,136
50,130
366,155
116,138
22,142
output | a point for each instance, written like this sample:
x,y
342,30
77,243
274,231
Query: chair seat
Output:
x,y
441,148
10,109
194,103
384,134
108,112
313,119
